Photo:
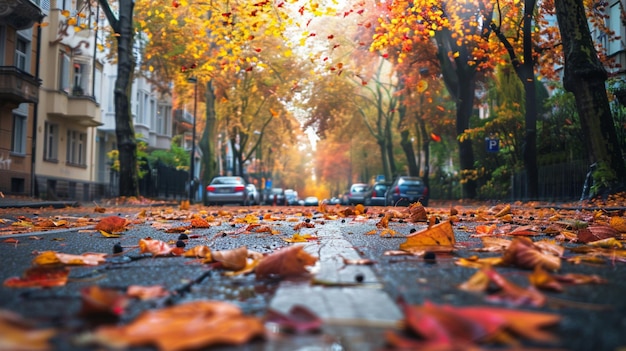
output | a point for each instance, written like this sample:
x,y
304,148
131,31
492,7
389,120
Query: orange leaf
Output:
x,y
439,235
235,259
98,301
155,247
18,334
544,280
192,325
112,224
146,292
291,261
523,253
51,257
44,276
199,222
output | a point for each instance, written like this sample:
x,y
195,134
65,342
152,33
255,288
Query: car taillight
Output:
x,y
425,191
210,188
239,187
373,193
397,190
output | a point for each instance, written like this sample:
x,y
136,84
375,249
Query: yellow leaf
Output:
x,y
110,235
438,235
65,13
71,21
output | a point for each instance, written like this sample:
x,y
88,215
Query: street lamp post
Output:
x,y
192,165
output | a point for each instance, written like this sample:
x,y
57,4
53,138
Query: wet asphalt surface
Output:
x,y
593,316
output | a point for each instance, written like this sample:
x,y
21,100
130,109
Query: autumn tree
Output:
x,y
585,77
122,26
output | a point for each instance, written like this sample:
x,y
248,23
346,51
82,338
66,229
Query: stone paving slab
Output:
x,y
363,303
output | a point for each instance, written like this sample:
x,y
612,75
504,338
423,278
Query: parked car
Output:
x,y
291,196
277,194
227,190
406,190
254,197
375,194
311,201
357,192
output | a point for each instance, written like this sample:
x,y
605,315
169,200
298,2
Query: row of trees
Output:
x,y
384,80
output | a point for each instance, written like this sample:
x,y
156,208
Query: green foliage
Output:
x,y
559,133
604,177
176,157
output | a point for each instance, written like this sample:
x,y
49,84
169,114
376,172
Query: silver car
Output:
x,y
227,190
254,197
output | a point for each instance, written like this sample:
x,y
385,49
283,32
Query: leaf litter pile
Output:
x,y
517,308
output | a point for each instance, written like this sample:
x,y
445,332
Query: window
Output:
x,y
78,76
76,143
21,54
81,75
51,145
614,23
19,134
64,72
163,119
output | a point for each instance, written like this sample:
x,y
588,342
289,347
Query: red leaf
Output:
x,y
112,224
45,277
290,261
299,319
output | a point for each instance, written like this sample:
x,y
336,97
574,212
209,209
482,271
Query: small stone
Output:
x,y
117,248
359,277
183,237
180,243
413,230
430,257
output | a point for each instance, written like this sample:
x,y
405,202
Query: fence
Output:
x,y
558,182
161,182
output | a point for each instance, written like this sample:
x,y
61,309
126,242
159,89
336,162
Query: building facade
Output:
x,y
19,92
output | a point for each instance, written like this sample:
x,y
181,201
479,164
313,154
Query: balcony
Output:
x,y
17,86
20,14
82,110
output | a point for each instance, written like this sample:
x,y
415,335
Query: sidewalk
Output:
x,y
27,202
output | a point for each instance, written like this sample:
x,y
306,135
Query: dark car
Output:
x,y
227,190
357,192
275,195
375,194
406,190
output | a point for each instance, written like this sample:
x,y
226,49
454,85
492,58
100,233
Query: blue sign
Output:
x,y
492,144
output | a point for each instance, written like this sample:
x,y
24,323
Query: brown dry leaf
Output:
x,y
608,243
493,244
98,301
146,292
40,276
528,230
176,230
523,253
500,212
541,279
483,229
476,262
303,225
17,334
512,293
191,325
184,205
384,221
99,209
199,222
430,238
112,224
479,282
291,261
52,257
417,212
201,251
597,232
234,260
155,247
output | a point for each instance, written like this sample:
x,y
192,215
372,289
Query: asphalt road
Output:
x,y
357,302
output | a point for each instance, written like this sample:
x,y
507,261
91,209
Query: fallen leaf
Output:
x,y
524,254
541,279
155,247
199,222
618,223
291,261
102,302
201,251
110,235
417,212
235,259
112,224
597,232
17,334
52,257
40,276
146,292
438,235
192,325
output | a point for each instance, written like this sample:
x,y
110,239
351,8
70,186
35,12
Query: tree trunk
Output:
x,y
528,79
426,151
124,130
585,77
464,109
209,164
407,147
